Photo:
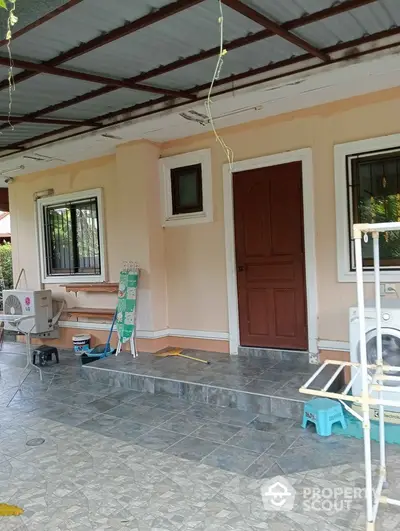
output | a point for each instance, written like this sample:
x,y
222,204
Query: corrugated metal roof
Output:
x,y
284,10
180,35
241,60
365,20
41,91
28,11
186,33
82,23
23,132
4,72
119,99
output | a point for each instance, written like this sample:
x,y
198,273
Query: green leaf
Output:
x,y
3,4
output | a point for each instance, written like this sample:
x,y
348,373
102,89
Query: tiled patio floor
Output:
x,y
275,377
120,459
248,383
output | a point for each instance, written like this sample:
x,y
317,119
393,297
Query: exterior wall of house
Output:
x,y
183,285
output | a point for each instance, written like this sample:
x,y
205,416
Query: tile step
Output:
x,y
295,356
243,400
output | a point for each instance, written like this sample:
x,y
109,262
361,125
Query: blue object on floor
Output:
x,y
323,412
354,429
102,351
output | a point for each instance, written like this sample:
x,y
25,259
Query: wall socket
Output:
x,y
388,289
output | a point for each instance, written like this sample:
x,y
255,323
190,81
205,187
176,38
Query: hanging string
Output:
x,y
218,67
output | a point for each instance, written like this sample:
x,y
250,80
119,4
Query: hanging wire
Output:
x,y
11,21
218,67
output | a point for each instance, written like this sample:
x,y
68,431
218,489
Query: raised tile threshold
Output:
x,y
257,385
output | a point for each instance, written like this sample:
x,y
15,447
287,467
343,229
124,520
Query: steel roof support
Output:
x,y
93,78
42,20
345,6
350,46
275,28
51,121
117,33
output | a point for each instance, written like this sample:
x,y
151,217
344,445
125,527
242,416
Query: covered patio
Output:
x,y
225,148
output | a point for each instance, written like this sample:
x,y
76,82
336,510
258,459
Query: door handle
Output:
x,y
240,268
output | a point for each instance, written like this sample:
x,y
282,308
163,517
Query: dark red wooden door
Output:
x,y
268,211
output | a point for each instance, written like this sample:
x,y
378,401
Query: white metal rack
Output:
x,y
374,377
15,321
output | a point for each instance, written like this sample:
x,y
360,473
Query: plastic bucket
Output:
x,y
81,342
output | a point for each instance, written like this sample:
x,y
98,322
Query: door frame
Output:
x,y
305,157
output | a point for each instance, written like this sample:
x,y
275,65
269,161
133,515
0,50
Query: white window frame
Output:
x,y
53,200
341,152
203,157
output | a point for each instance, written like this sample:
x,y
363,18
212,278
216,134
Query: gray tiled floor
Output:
x,y
256,375
117,459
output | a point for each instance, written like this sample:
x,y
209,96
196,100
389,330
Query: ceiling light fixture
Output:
x,y
202,119
12,170
39,157
111,136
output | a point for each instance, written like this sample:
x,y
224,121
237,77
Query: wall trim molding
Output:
x,y
326,344
323,344
151,334
305,157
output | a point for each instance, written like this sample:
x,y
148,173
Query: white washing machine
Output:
x,y
390,322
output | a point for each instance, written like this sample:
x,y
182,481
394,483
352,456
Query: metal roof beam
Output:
x,y
93,78
115,34
335,10
275,28
42,20
51,121
343,46
323,14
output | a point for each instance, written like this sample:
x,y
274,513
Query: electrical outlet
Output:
x,y
390,288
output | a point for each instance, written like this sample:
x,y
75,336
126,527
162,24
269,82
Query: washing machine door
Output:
x,y
390,350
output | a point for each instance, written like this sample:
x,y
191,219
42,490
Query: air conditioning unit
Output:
x,y
37,303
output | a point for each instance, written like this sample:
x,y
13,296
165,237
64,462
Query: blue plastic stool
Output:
x,y
323,412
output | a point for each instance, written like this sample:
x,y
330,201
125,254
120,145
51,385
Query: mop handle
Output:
x,y
111,331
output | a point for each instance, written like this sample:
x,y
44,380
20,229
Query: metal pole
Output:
x,y
379,357
364,379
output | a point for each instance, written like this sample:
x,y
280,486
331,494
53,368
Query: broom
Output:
x,y
179,354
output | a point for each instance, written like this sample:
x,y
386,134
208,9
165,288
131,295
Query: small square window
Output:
x,y
186,188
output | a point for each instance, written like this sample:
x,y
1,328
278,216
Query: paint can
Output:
x,y
81,342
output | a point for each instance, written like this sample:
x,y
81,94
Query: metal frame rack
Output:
x,y
374,377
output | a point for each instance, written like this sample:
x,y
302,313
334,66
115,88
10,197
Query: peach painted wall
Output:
x,y
202,247
129,180
183,285
96,173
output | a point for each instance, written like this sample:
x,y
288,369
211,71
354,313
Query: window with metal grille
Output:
x,y
71,237
373,183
